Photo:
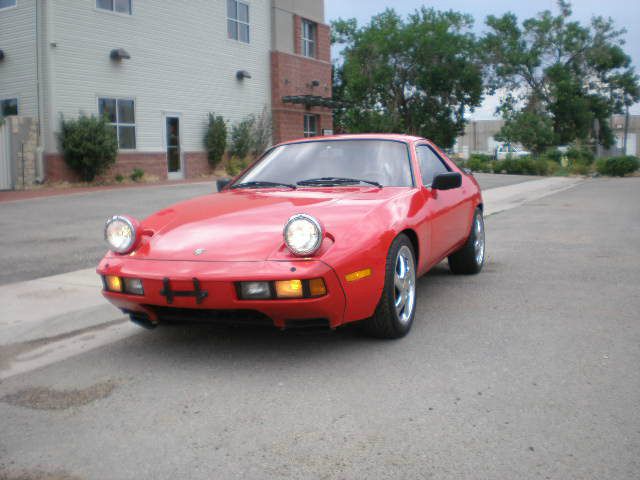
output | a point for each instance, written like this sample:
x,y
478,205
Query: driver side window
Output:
x,y
430,164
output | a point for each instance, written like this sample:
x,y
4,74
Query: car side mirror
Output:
x,y
447,181
221,183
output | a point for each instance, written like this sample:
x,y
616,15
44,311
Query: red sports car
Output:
x,y
318,232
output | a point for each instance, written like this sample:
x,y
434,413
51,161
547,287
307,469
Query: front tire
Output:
x,y
396,310
470,258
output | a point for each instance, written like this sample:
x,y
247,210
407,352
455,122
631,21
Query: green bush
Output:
x,y
137,174
617,166
215,139
89,146
580,156
242,138
119,178
523,166
481,157
237,165
553,154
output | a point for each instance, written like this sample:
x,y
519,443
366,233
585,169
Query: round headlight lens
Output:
x,y
303,234
120,234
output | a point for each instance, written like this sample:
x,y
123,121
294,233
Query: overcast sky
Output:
x,y
625,13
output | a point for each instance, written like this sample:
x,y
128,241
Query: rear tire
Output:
x,y
470,258
397,306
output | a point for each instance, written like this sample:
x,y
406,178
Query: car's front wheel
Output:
x,y
397,307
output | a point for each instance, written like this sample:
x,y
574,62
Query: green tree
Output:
x,y
89,145
531,129
215,139
418,76
573,75
242,138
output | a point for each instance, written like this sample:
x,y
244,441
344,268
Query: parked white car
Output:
x,y
504,150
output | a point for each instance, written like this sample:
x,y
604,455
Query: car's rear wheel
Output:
x,y
470,258
397,307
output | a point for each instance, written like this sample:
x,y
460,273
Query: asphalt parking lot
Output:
x,y
528,370
47,236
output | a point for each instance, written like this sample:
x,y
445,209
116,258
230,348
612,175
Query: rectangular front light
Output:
x,y
133,286
289,289
317,287
255,290
113,283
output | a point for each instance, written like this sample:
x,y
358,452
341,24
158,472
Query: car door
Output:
x,y
447,211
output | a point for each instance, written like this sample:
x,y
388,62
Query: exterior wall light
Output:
x,y
315,83
242,74
118,54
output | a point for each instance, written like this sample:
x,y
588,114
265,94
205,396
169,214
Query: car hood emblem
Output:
x,y
199,251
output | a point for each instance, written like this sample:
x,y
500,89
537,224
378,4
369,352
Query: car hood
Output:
x,y
247,225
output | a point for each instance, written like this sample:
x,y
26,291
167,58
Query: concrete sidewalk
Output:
x,y
68,305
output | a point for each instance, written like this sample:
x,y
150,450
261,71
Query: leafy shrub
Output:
x,y
617,166
119,178
137,174
553,154
237,165
241,138
261,132
581,156
522,166
215,139
89,146
481,157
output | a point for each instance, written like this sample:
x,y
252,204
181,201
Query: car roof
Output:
x,y
359,136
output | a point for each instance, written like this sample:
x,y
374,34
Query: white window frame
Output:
x,y
239,22
114,11
11,97
118,124
307,131
15,4
309,44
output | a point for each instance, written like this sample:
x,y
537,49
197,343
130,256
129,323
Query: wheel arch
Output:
x,y
413,236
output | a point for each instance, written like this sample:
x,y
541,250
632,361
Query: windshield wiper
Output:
x,y
337,181
259,184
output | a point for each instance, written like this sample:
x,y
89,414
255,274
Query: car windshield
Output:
x,y
333,162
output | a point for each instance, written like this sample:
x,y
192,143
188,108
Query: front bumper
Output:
x,y
219,279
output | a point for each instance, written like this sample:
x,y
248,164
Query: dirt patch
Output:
x,y
36,475
42,398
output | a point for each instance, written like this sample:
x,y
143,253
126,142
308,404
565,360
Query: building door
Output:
x,y
174,150
631,144
5,168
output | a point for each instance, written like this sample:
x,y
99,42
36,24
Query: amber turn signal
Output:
x,y
113,283
352,277
317,287
289,289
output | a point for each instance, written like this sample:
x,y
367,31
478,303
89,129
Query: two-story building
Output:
x,y
156,69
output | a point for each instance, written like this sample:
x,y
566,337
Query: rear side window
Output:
x,y
430,164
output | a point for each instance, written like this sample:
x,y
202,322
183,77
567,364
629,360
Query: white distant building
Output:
x,y
157,68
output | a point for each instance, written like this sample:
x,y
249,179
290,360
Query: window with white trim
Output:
x,y
310,125
118,6
8,106
120,113
238,20
309,34
7,4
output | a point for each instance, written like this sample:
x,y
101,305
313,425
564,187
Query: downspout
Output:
x,y
48,47
39,86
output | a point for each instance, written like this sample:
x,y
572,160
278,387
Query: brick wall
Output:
x,y
153,164
292,75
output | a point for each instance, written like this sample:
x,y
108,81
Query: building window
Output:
x,y
118,6
120,113
7,4
310,125
9,106
309,32
238,20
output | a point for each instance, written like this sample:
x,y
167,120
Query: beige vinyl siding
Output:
x,y
181,62
18,69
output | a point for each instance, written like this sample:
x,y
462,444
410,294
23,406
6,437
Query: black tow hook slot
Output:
x,y
197,292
